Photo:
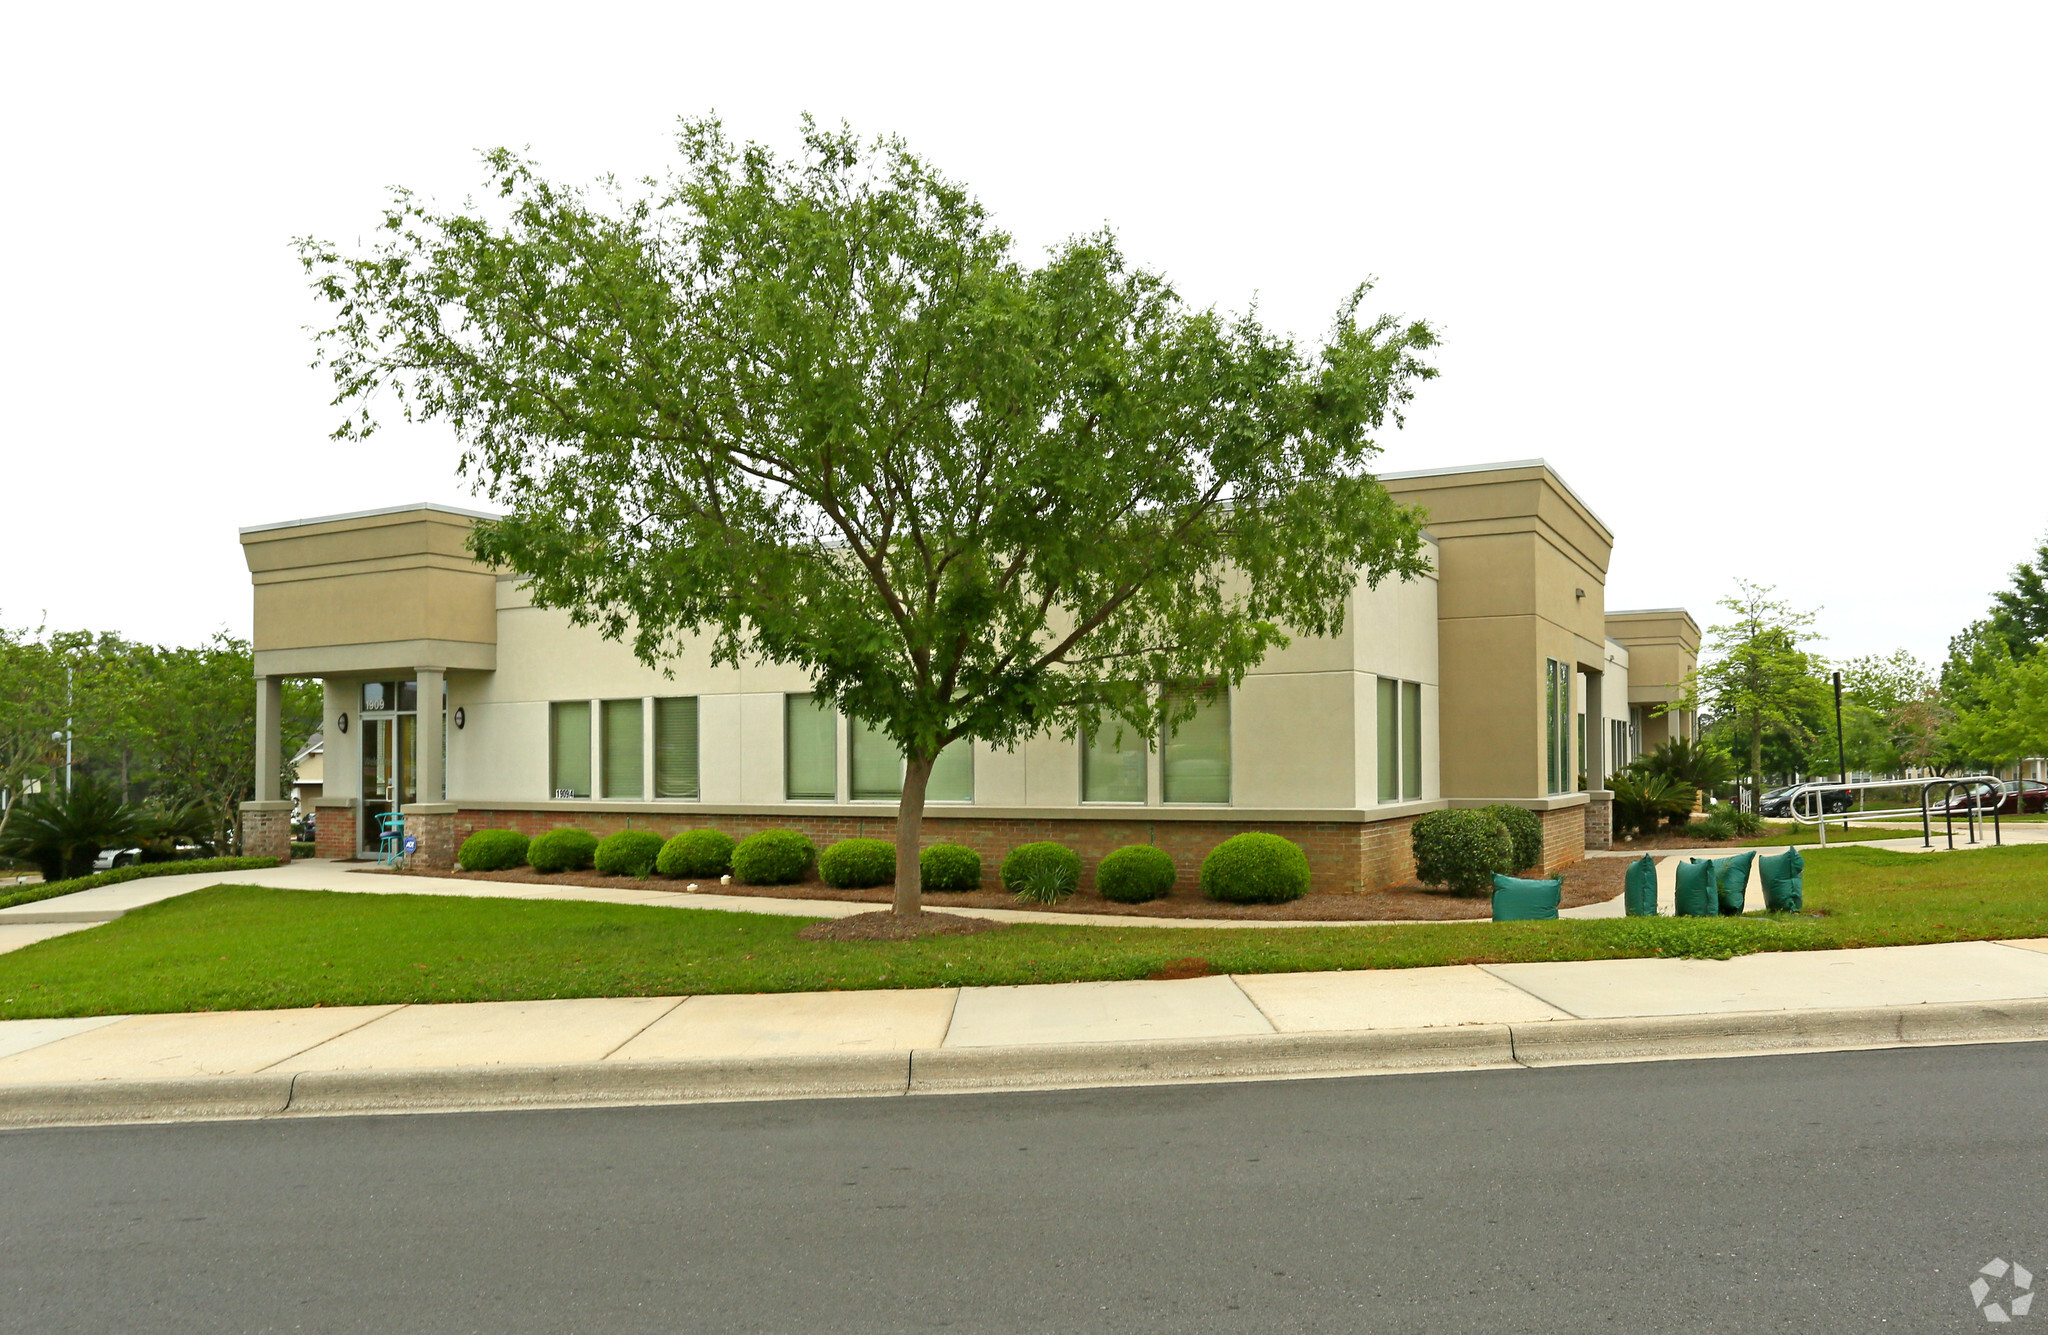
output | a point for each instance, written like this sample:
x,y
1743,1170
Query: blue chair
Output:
x,y
390,838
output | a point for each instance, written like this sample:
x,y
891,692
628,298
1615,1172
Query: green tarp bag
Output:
x,y
1731,880
1640,895
1696,896
1783,878
1517,900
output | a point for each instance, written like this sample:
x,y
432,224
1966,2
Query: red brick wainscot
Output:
x,y
334,827
267,830
1342,855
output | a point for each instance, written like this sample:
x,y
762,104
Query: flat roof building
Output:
x,y
454,702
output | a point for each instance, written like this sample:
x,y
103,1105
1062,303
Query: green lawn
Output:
x,y
250,947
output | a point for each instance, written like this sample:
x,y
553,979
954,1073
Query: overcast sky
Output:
x,y
1765,284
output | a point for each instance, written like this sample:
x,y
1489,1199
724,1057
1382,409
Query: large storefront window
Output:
x,y
620,747
1557,711
675,748
1194,761
810,749
878,769
1113,764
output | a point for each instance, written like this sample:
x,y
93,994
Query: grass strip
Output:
x,y
29,894
255,948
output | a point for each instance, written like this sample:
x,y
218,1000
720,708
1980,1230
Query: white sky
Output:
x,y
1764,283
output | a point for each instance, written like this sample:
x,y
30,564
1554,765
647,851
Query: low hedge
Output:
x,y
302,848
1135,874
856,864
29,894
696,853
628,853
1255,868
492,850
1462,850
772,857
949,869
1525,832
1027,862
565,849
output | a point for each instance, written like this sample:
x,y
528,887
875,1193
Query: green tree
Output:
x,y
1760,679
818,407
2019,613
2007,717
31,711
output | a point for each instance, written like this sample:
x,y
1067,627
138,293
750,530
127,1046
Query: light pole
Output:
x,y
1841,753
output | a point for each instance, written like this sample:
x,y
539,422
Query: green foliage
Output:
x,y
492,850
62,832
31,894
949,868
856,864
1643,803
696,853
1256,868
1525,831
1044,883
1760,678
2019,613
773,857
1698,765
302,848
563,849
1135,874
1726,821
628,853
1027,868
1461,850
822,411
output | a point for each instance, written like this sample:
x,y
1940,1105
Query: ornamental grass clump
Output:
x,y
1042,873
949,869
857,864
1255,868
1135,874
773,857
492,850
628,853
696,853
1461,850
566,849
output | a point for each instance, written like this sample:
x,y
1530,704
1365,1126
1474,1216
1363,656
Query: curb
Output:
x,y
1042,1067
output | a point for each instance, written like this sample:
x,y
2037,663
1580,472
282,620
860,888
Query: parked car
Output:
x,y
1778,801
2016,797
110,858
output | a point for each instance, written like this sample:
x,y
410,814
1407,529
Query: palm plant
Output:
x,y
62,831
1643,800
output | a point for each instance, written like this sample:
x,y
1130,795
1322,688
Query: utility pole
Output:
x,y
1841,753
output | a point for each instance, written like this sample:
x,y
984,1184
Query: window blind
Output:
x,y
675,748
1194,762
1390,739
1411,740
811,749
621,745
569,748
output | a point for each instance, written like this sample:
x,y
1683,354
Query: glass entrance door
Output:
x,y
389,749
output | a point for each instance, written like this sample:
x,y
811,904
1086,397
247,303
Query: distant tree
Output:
x,y
1890,704
818,408
2019,613
31,710
1759,678
2007,717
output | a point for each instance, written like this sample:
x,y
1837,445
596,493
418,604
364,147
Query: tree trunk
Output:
x,y
1756,768
917,774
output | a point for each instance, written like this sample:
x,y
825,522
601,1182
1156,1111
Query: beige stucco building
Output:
x,y
455,703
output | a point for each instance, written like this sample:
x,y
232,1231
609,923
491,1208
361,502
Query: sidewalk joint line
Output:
x,y
607,1054
1254,1002
1487,969
403,1005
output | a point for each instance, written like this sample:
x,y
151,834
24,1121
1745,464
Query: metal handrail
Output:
x,y
1983,783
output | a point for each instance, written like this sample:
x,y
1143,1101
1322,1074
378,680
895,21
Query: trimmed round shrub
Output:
x,y
772,857
949,869
628,853
1135,874
1462,850
1042,868
488,850
1525,832
696,853
856,864
566,849
1255,868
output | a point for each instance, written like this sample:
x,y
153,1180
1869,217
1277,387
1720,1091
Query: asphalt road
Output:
x,y
1843,1192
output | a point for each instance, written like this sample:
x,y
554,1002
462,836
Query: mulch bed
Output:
x,y
1587,882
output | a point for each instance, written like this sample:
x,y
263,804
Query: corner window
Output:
x,y
1557,710
810,749
1194,761
620,745
675,749
1400,740
569,748
876,763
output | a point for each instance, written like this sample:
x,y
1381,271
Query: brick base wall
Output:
x,y
1600,823
267,834
1564,837
1342,855
334,832
435,833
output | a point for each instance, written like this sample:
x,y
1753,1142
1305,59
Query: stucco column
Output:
x,y
269,755
427,733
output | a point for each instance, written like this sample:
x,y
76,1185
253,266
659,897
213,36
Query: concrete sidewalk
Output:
x,y
641,1050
